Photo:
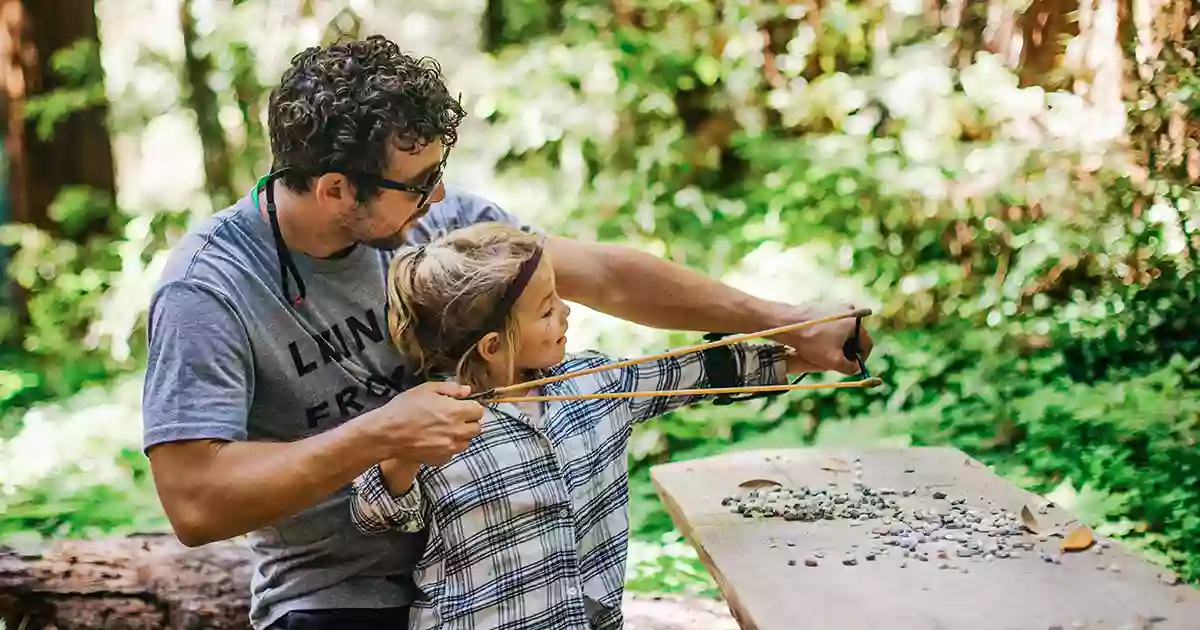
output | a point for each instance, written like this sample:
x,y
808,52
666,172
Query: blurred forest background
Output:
x,y
1010,184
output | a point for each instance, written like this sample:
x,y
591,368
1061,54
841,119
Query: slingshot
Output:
x,y
851,350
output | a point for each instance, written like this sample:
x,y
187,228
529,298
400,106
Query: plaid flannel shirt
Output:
x,y
529,527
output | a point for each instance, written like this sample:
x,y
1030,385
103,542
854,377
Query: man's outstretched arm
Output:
x,y
645,289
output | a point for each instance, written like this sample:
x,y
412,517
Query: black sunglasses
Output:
x,y
425,190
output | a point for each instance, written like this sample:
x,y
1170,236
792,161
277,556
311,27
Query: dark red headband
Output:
x,y
511,294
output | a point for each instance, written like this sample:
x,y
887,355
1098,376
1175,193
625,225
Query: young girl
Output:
x,y
528,527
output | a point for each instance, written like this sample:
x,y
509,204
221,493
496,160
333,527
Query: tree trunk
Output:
x,y
1044,26
80,151
1162,43
151,582
202,100
492,28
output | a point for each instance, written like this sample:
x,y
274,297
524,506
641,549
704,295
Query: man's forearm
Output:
x,y
648,290
217,490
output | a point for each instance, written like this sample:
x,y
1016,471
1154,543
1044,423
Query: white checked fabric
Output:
x,y
529,526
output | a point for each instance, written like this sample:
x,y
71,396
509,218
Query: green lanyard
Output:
x,y
262,183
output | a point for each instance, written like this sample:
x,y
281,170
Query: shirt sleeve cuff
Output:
x,y
763,364
376,510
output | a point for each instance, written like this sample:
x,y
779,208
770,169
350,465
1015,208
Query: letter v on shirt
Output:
x,y
230,358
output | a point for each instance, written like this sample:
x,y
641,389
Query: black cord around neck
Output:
x,y
286,264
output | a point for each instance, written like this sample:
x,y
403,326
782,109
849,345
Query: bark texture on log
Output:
x,y
140,582
152,582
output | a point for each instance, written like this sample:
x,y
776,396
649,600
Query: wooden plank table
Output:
x,y
749,557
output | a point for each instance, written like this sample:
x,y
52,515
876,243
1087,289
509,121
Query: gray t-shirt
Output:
x,y
231,358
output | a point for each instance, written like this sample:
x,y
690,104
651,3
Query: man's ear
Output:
x,y
332,187
489,346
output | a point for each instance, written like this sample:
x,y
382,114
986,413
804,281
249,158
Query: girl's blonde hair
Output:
x,y
440,295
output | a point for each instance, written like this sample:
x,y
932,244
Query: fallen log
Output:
x,y
140,582
151,582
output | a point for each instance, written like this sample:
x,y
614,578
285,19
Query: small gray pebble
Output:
x,y
939,495
1114,568
850,561
818,554
903,565
870,556
810,562
791,544
791,563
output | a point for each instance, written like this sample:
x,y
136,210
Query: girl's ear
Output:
x,y
489,346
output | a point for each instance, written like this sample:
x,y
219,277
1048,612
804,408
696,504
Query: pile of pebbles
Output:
x,y
947,532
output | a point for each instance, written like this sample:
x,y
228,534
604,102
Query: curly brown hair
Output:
x,y
340,107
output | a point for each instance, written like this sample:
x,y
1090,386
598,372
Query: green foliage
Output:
x,y
1034,279
1133,440
65,282
1036,293
667,564
78,68
76,469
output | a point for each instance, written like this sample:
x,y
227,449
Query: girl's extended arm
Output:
x,y
735,365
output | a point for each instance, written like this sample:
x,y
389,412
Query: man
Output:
x,y
271,382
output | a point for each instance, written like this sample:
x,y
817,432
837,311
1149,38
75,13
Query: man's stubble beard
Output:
x,y
390,242
387,243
